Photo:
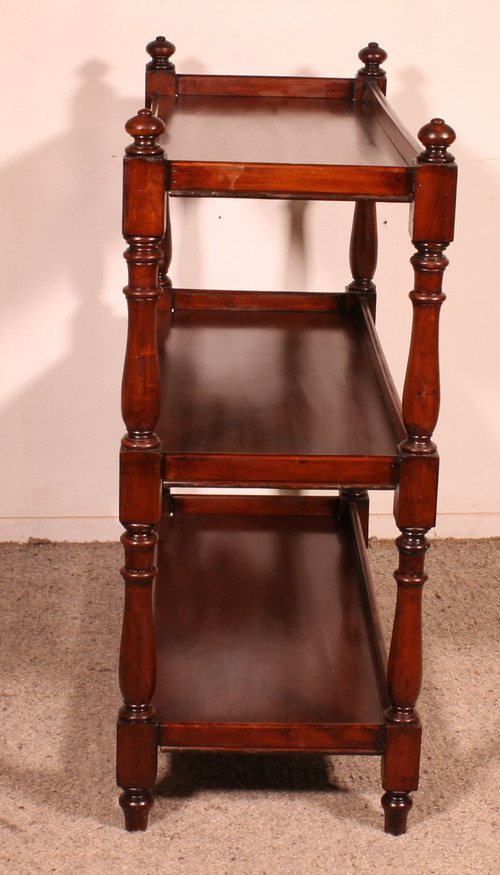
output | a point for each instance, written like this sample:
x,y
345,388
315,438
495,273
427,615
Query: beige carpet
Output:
x,y
61,614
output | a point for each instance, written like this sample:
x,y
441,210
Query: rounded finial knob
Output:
x,y
160,50
372,56
144,128
436,137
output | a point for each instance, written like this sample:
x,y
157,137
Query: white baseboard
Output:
x,y
84,529
449,525
75,529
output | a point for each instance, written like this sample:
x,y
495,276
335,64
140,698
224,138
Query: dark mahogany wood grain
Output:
x,y
276,130
339,738
313,182
262,145
363,250
304,472
382,371
254,617
363,253
416,497
288,385
140,460
216,503
160,73
371,73
250,622
383,114
265,86
207,299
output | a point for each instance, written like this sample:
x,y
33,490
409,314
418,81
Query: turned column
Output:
x,y
363,249
364,239
416,496
362,261
140,464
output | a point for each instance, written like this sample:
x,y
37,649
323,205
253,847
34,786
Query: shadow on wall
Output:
x,y
63,344
61,424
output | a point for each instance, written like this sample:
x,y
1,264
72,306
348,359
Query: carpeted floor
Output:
x,y
247,815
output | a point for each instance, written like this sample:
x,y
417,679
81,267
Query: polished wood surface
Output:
x,y
338,738
309,181
250,622
250,136
277,130
256,614
416,498
245,383
264,86
262,146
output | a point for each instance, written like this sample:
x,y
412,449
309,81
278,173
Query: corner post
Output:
x,y
161,83
364,238
363,248
160,71
140,465
432,223
371,71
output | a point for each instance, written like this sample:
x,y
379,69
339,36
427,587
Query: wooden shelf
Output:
x,y
251,136
263,615
278,396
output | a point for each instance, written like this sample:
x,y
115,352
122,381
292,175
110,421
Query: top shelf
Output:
x,y
271,130
284,137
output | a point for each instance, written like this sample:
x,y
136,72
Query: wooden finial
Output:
x,y
144,128
436,137
160,50
372,56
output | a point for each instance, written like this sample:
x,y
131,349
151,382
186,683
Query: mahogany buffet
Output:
x,y
250,622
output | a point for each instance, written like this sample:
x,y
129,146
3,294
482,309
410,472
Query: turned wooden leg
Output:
x,y
136,731
136,805
396,807
401,760
137,753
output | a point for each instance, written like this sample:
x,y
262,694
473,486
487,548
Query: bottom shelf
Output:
x,y
266,628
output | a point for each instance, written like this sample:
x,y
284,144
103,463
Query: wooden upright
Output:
x,y
250,621
416,494
140,468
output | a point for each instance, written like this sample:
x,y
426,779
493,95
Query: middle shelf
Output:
x,y
276,389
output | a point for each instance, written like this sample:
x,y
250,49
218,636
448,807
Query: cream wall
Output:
x,y
72,74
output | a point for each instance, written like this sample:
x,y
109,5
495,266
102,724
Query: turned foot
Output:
x,y
396,807
136,805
